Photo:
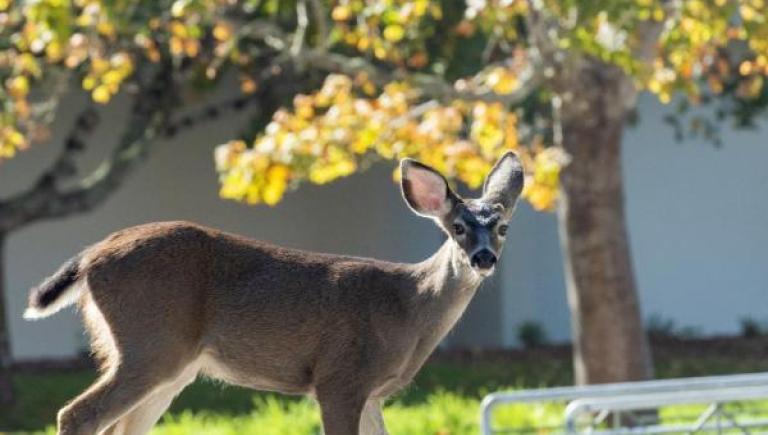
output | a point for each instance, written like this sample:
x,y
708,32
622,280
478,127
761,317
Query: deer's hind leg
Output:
x,y
372,420
142,418
137,361
114,394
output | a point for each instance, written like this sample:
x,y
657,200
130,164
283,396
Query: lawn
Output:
x,y
443,399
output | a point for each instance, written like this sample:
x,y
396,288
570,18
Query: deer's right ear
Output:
x,y
425,190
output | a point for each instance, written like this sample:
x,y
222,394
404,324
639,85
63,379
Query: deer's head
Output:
x,y
478,227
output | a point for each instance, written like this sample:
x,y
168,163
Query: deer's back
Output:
x,y
264,316
237,273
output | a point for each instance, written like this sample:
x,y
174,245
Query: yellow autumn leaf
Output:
x,y
106,28
540,197
99,65
341,13
222,32
191,47
112,77
502,81
101,94
7,150
394,32
18,87
273,193
89,82
747,12
176,45
54,51
15,138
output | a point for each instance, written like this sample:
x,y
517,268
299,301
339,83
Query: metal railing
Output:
x,y
597,410
589,398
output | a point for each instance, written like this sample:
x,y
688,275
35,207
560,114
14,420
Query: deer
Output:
x,y
166,302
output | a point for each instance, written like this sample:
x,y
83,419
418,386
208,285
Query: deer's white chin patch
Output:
x,y
484,273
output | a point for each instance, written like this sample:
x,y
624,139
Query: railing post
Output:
x,y
486,409
719,419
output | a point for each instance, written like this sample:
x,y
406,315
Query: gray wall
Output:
x,y
698,226
697,217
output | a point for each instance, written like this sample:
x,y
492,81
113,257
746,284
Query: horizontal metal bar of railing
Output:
x,y
681,428
564,394
630,402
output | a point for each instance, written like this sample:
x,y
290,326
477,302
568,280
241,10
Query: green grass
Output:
x,y
439,413
443,399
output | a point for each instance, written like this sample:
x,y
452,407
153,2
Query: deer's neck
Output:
x,y
447,272
446,285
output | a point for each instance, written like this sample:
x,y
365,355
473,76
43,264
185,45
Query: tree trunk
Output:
x,y
610,343
6,388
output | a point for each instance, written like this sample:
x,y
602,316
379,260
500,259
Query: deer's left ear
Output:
x,y
505,182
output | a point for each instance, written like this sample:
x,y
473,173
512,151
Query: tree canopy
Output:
x,y
453,84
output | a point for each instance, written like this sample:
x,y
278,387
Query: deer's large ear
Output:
x,y
505,182
425,190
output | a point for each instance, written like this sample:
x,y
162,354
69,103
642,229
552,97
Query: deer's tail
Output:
x,y
56,292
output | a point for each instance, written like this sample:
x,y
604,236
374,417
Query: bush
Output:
x,y
751,328
531,334
659,327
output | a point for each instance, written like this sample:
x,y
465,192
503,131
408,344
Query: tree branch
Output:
x,y
45,200
321,22
302,23
431,86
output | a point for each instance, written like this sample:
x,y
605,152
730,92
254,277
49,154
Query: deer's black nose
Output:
x,y
484,259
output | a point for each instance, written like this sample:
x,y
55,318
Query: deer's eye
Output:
x,y
502,230
459,229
